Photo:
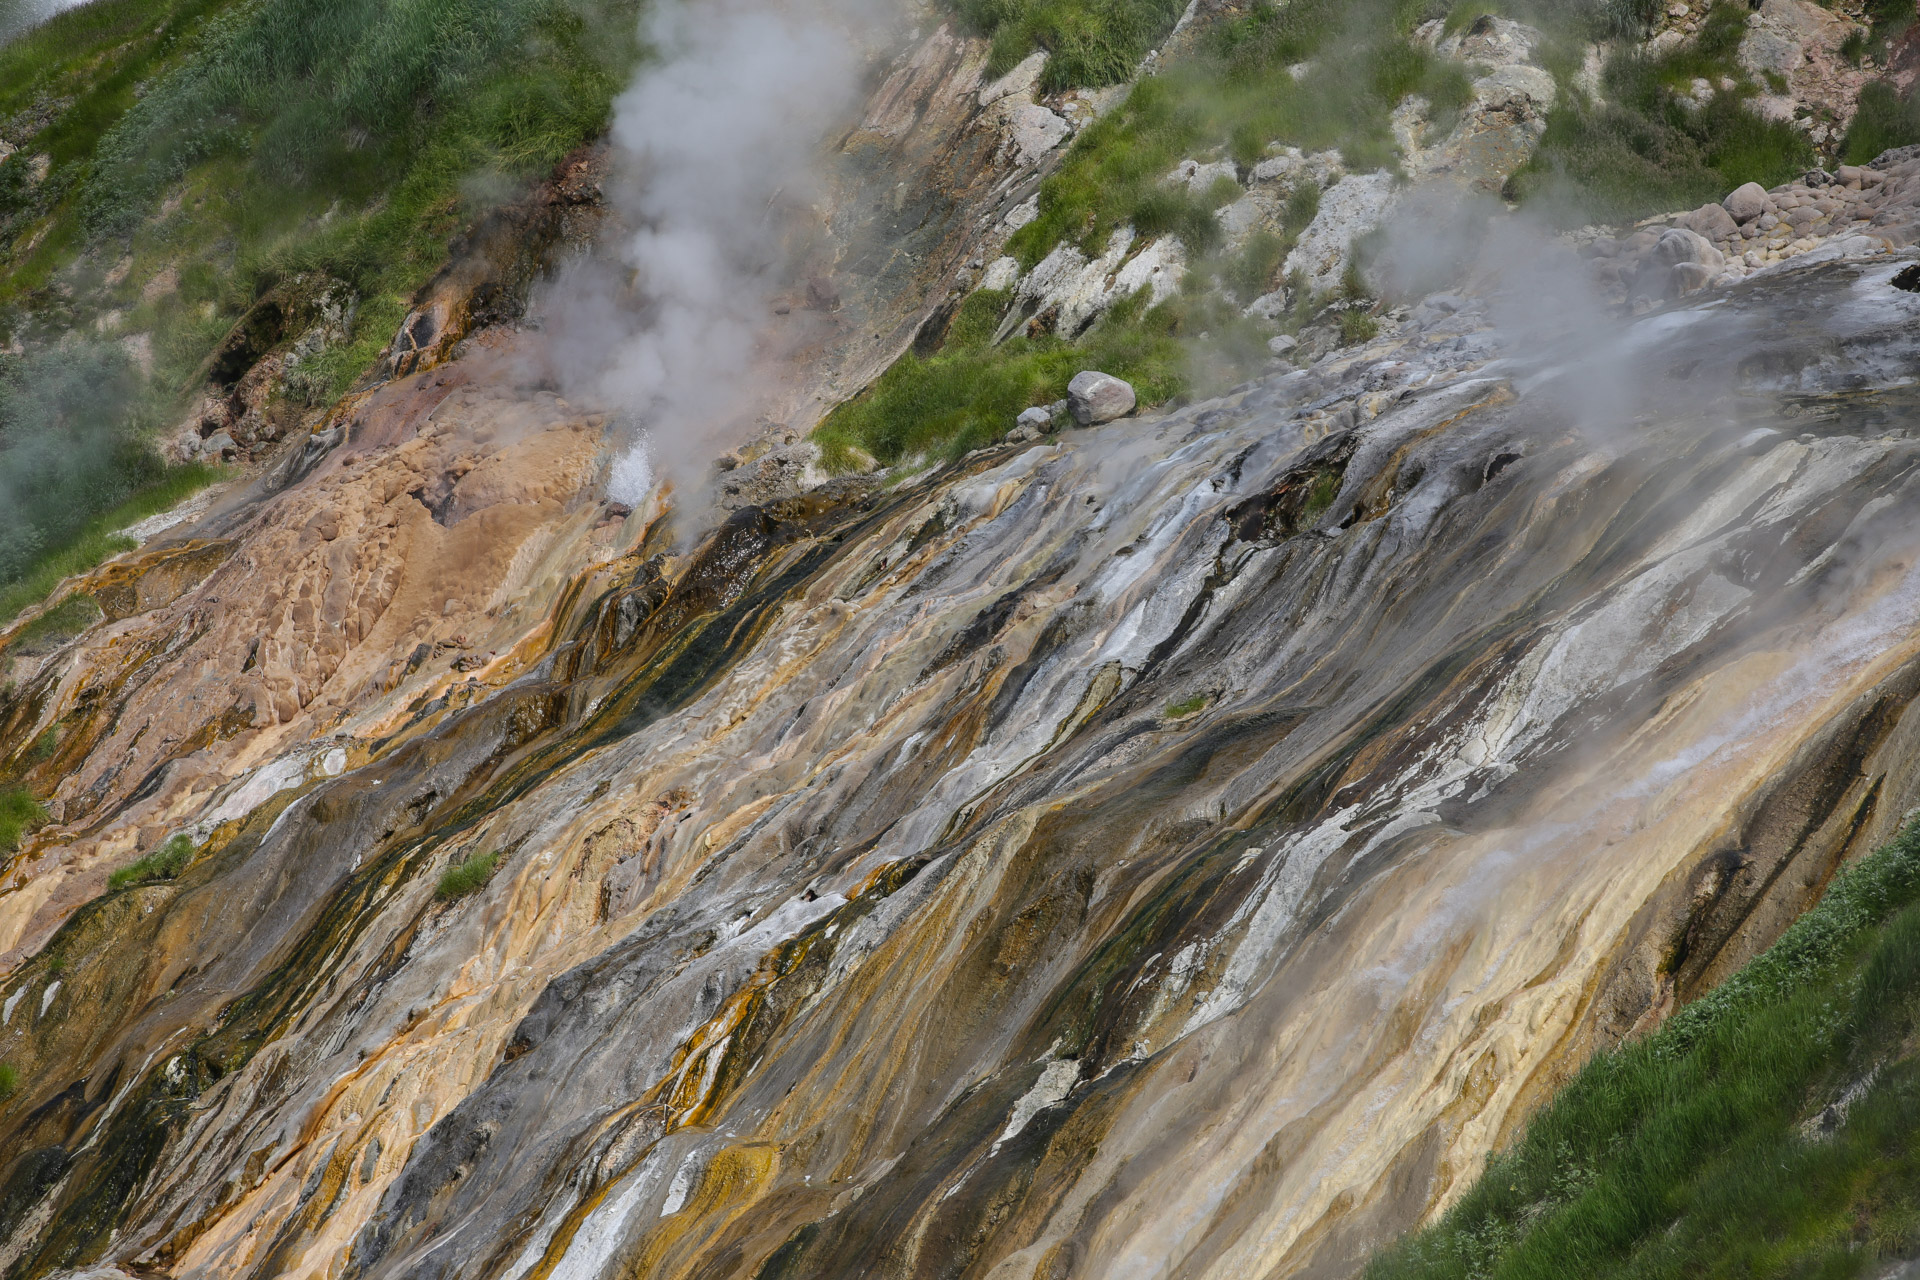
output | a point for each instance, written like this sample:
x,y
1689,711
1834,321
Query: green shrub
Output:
x,y
1644,150
462,878
164,863
1356,327
1883,120
1684,1154
19,814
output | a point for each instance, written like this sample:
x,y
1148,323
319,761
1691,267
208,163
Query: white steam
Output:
x,y
722,128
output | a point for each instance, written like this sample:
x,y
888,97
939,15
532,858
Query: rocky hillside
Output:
x,y
1472,621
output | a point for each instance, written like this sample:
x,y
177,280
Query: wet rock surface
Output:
x,y
1063,857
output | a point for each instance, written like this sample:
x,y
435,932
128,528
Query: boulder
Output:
x,y
1283,344
220,445
1094,397
1713,222
1037,418
1677,245
1746,203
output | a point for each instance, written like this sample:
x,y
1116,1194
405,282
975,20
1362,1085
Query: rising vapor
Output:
x,y
722,128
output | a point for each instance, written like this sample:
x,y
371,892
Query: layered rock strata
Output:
x,y
1178,848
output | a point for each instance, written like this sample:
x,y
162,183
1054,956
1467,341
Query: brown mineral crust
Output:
x,y
441,521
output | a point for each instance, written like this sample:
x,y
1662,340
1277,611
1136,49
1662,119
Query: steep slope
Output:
x,y
1185,848
1181,849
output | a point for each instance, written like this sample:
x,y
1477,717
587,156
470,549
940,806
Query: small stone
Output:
x,y
1283,344
1094,397
1037,418
220,443
1746,203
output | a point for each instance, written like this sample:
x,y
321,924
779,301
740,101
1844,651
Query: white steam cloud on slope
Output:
x,y
727,119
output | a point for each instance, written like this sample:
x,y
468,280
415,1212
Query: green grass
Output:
x,y
164,863
1642,151
9,1081
61,623
1181,710
1684,1154
968,394
1357,327
463,878
1090,42
99,540
20,813
218,147
1884,120
1235,96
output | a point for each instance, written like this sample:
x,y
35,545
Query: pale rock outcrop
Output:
x,y
1270,184
1798,42
1351,208
1066,291
1035,130
1020,82
1501,125
1002,273
1198,178
1032,129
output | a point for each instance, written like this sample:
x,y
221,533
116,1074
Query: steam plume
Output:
x,y
723,125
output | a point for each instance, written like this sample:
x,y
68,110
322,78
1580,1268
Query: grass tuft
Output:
x,y
463,878
20,813
164,863
9,1081
1707,1148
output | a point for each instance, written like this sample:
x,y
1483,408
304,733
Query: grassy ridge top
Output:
x,y
173,160
1766,1130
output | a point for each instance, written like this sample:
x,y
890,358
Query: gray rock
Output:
x,y
1677,245
1094,397
1746,203
1283,344
1691,277
1896,155
1713,222
1036,418
220,443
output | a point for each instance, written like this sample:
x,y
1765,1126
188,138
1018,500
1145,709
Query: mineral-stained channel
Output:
x,y
1179,848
